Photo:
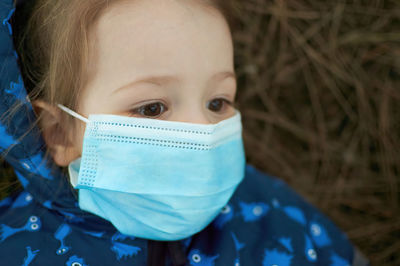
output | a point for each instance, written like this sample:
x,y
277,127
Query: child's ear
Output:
x,y
55,133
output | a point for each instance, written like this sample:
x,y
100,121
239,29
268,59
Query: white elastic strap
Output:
x,y
74,114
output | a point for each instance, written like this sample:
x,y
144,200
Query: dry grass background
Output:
x,y
319,91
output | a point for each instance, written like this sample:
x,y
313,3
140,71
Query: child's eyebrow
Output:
x,y
163,79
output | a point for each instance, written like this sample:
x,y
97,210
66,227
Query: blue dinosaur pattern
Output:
x,y
309,250
295,213
17,89
22,200
95,234
48,204
22,179
319,235
122,250
33,224
6,21
121,237
6,140
196,258
238,247
5,202
76,261
62,232
287,243
253,211
37,164
224,217
275,257
31,254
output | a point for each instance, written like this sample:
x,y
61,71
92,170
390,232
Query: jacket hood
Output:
x,y
21,143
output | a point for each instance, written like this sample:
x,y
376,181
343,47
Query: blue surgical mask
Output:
x,y
155,179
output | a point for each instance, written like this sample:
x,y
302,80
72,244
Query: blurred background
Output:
x,y
319,92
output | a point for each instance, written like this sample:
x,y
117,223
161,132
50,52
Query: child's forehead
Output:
x,y
142,36
160,23
159,11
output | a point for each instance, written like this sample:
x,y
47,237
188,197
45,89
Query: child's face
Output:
x,y
162,59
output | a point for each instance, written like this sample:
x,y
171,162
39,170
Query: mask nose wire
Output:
x,y
74,114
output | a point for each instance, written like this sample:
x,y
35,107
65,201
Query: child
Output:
x,y
135,99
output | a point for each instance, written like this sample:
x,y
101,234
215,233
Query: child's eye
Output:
x,y
218,105
151,110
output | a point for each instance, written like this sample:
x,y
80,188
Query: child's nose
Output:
x,y
192,116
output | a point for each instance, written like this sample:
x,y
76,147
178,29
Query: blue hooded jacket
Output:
x,y
264,223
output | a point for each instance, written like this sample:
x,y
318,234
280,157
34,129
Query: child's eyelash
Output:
x,y
219,107
151,109
228,101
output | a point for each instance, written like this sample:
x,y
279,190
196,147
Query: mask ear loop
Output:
x,y
74,114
